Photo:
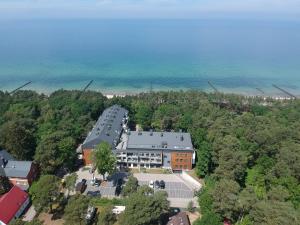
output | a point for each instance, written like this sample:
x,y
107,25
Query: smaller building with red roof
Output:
x,y
13,204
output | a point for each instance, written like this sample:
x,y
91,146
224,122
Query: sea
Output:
x,y
130,56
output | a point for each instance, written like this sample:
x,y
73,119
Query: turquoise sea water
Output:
x,y
128,55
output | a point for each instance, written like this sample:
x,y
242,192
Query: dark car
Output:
x,y
93,193
162,184
156,184
80,187
97,182
119,187
83,181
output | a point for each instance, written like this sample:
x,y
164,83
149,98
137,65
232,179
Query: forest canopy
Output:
x,y
248,149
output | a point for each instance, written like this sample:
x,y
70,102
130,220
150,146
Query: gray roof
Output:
x,y
108,127
18,169
2,172
6,156
159,140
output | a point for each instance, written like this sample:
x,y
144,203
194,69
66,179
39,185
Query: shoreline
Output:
x,y
120,93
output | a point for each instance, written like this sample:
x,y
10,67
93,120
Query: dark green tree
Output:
x,y
232,162
5,185
76,210
143,114
204,159
210,218
143,209
274,213
103,159
17,137
54,151
45,192
107,217
131,186
70,182
225,199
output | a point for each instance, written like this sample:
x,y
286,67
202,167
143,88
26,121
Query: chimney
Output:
x,y
4,162
181,138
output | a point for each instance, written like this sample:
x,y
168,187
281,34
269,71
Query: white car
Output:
x,y
90,213
151,184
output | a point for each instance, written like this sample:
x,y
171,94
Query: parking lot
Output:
x,y
174,189
180,192
106,189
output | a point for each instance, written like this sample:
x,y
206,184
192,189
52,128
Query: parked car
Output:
x,y
80,187
95,182
151,184
91,211
162,184
93,193
157,184
119,186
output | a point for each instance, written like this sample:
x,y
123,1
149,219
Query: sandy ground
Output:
x,y
193,216
47,219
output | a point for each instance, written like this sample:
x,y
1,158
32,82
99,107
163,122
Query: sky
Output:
x,y
272,9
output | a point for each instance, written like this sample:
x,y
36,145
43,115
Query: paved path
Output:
x,y
30,214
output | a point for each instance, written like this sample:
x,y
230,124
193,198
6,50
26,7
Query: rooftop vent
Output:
x,y
161,134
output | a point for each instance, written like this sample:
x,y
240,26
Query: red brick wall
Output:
x,y
33,173
181,160
87,154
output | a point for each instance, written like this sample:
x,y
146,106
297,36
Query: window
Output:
x,y
180,166
181,160
177,160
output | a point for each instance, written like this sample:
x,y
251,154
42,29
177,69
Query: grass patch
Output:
x,y
85,168
150,170
104,202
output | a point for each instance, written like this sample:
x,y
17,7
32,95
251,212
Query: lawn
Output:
x,y
150,170
103,202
